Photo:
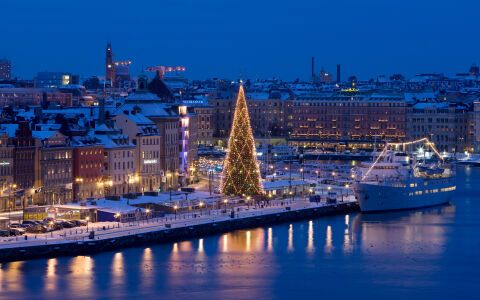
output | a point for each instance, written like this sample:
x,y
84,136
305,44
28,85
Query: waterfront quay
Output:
x,y
106,236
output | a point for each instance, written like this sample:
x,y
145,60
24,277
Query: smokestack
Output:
x,y
313,67
339,79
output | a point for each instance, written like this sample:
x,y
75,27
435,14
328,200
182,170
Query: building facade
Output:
x,y
33,96
354,119
55,167
144,134
119,161
88,158
449,126
8,187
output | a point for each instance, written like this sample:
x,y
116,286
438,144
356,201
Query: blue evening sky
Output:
x,y
251,38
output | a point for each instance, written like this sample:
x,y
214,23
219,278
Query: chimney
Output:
x,y
339,78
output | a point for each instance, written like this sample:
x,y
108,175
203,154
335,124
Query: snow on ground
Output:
x,y
106,230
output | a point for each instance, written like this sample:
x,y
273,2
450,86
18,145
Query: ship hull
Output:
x,y
376,198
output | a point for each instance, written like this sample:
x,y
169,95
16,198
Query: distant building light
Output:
x,y
149,161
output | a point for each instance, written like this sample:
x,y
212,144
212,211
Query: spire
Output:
x,y
109,66
241,172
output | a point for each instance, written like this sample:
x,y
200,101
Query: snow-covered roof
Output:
x,y
154,109
139,119
10,129
112,141
142,96
436,105
43,134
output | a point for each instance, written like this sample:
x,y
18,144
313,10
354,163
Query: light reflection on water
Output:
x,y
379,254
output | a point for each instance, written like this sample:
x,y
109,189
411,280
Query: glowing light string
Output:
x,y
241,172
425,140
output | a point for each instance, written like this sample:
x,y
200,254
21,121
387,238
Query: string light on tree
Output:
x,y
241,172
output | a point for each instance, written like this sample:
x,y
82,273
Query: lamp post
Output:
x,y
225,202
175,207
117,217
192,176
13,186
169,182
210,178
200,205
87,219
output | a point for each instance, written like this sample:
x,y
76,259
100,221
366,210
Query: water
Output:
x,y
425,254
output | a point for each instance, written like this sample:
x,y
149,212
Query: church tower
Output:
x,y
109,66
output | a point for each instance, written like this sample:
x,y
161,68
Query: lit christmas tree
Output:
x,y
241,172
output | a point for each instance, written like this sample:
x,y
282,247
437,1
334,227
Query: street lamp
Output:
x,y
200,205
192,177
117,217
175,207
169,175
225,202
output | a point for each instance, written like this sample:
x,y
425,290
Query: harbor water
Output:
x,y
431,253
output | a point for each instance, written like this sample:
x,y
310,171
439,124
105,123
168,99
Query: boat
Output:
x,y
396,180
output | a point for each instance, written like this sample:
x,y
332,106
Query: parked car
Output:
x,y
80,222
30,222
37,229
67,224
17,231
4,233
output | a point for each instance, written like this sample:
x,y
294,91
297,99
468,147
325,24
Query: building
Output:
x,y
122,75
353,120
449,126
145,136
5,69
267,115
109,65
167,120
7,185
204,120
88,159
188,142
119,160
55,167
33,96
25,160
204,125
476,120
52,79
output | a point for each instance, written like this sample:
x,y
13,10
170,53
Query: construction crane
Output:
x,y
163,69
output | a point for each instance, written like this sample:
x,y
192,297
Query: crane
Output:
x,y
164,69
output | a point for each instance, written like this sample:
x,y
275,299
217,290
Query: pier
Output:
x,y
108,236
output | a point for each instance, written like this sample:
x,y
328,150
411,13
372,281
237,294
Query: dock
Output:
x,y
110,236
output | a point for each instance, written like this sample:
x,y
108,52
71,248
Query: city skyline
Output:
x,y
281,39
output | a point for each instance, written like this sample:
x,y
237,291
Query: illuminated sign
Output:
x,y
4,163
149,161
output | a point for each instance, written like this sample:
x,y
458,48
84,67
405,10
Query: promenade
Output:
x,y
113,231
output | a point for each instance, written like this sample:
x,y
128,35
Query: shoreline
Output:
x,y
157,234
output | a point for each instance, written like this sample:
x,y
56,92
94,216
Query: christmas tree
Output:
x,y
241,172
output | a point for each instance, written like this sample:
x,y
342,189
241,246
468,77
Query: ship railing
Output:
x,y
393,181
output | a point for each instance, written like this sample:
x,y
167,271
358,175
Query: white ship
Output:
x,y
396,181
